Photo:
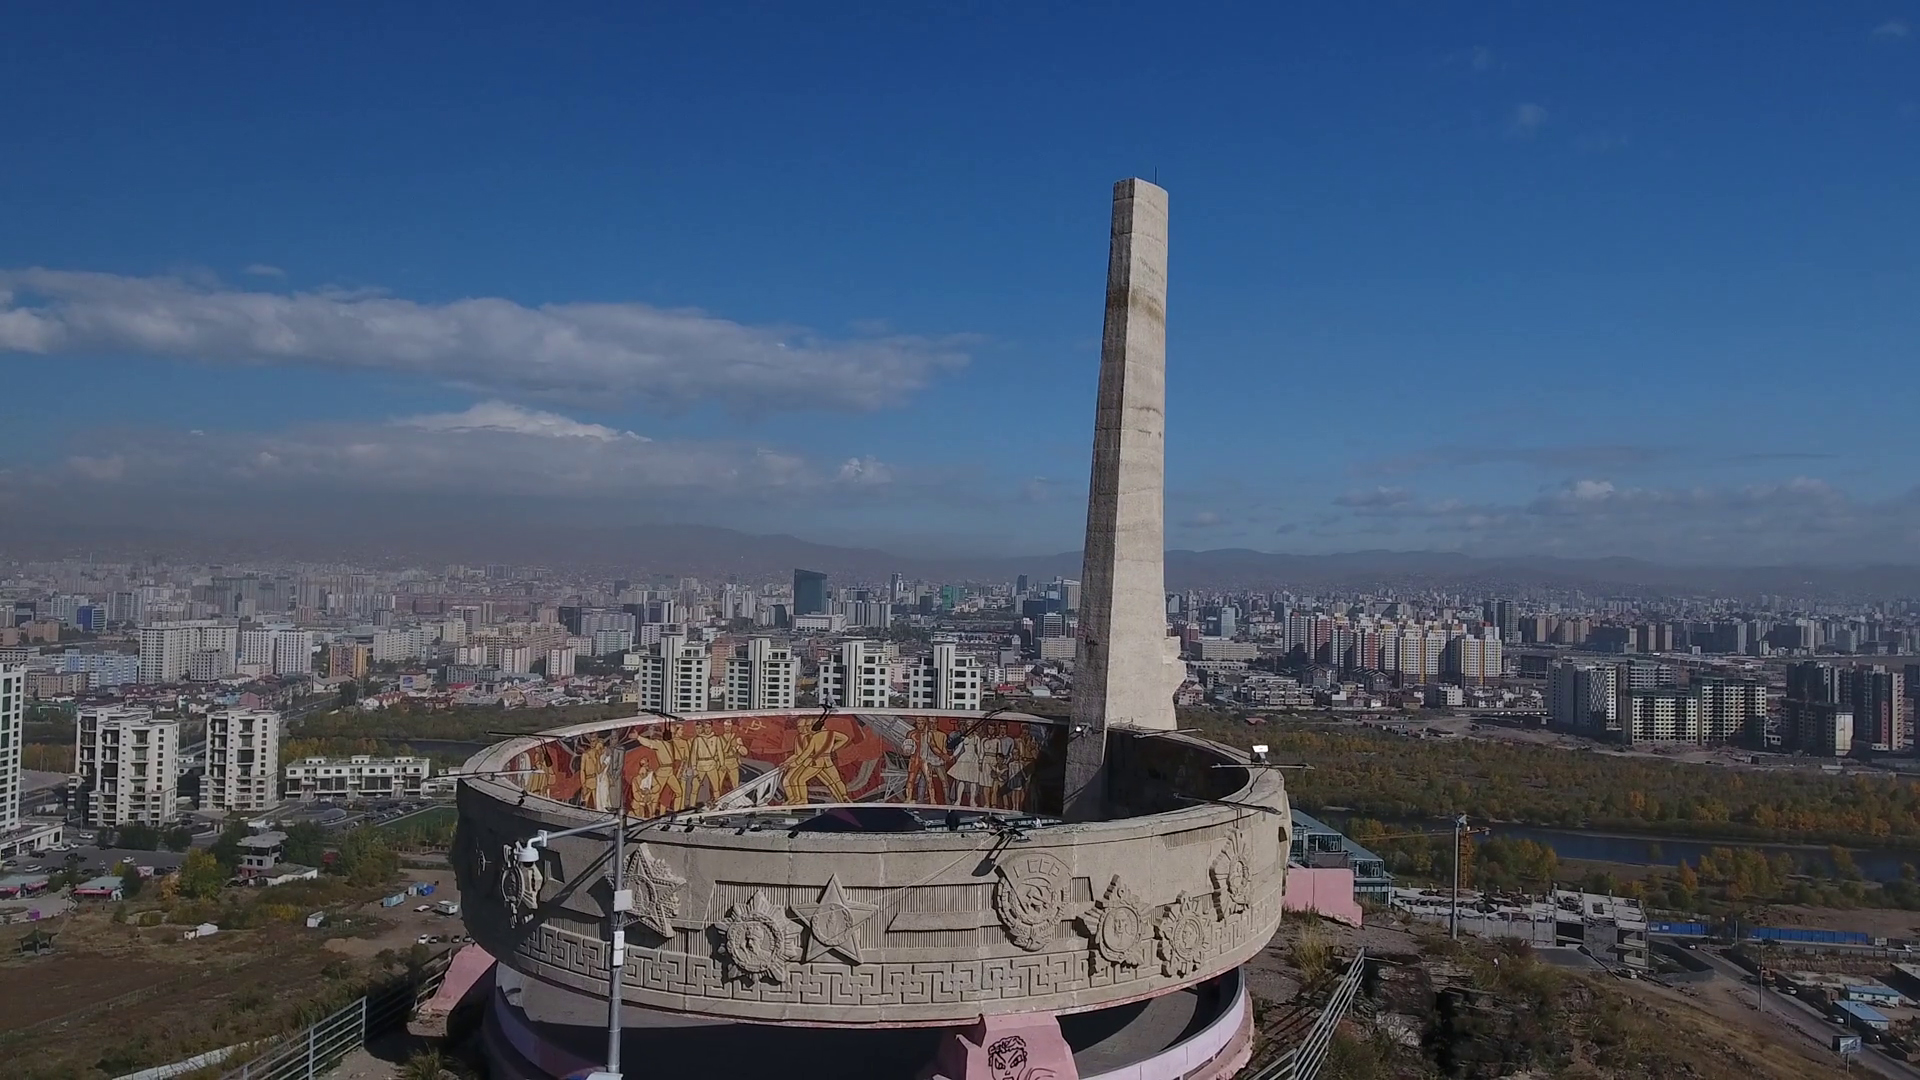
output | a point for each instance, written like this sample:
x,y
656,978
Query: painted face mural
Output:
x,y
791,759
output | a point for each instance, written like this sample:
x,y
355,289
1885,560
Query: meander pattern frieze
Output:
x,y
1055,976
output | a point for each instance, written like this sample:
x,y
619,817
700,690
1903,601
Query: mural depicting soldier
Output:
x,y
708,756
658,790
732,751
813,759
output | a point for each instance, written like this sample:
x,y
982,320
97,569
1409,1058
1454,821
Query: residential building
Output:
x,y
762,674
1659,716
1731,708
361,776
348,659
167,649
673,675
13,715
560,662
243,760
1879,700
1474,660
945,679
516,660
128,765
210,665
1584,697
101,668
859,677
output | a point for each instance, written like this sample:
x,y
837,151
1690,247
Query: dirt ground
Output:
x,y
1874,922
404,924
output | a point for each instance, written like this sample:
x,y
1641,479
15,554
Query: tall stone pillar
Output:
x,y
1127,668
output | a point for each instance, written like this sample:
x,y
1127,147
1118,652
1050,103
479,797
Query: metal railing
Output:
x,y
314,1051
1303,1060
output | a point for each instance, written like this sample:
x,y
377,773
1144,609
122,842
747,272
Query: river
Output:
x,y
1877,864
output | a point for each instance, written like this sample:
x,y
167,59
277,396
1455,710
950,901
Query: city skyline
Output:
x,y
1524,285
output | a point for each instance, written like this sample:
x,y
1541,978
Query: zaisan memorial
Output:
x,y
900,894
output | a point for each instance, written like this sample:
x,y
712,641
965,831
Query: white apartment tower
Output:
x,y
673,675
861,677
129,765
167,649
946,679
762,675
13,713
243,760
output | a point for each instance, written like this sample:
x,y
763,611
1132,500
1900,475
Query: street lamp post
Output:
x,y
529,852
1453,921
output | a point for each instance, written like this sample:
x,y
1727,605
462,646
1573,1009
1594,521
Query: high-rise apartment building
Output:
x,y
243,760
1731,709
13,713
945,679
762,674
1474,660
128,764
1584,697
348,659
673,675
1878,698
560,662
809,592
1659,716
167,649
859,677
280,649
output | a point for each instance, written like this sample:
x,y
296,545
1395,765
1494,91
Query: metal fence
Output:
x,y
1302,1061
321,1046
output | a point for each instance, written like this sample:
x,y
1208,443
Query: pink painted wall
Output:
x,y
1327,890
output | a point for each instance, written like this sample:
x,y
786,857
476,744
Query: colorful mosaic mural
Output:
x,y
791,759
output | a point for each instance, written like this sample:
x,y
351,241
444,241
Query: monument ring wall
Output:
x,y
932,927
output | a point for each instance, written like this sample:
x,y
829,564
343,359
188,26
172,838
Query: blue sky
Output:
x,y
1575,279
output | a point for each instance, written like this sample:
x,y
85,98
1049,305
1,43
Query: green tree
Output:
x,y
365,858
306,844
138,837
201,875
227,848
130,879
178,838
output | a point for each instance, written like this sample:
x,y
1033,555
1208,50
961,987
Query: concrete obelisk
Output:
x,y
1127,668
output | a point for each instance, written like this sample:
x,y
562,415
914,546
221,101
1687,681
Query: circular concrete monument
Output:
x,y
900,893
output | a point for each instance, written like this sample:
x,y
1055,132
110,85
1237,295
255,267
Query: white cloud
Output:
x,y
1205,519
1379,496
1892,29
608,351
1590,490
492,449
1480,58
263,270
1527,120
512,419
865,472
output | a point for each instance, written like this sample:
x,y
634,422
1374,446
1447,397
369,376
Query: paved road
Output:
x,y
1790,1011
